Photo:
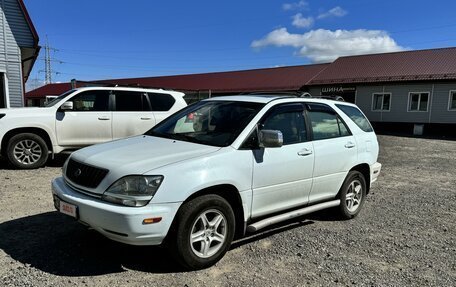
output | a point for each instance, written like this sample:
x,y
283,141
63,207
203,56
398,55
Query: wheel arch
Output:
x,y
33,130
231,194
364,169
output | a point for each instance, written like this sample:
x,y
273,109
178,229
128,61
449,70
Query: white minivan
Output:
x,y
220,168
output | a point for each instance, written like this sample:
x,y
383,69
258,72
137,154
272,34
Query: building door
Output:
x,y
2,91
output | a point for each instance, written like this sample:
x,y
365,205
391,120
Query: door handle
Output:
x,y
145,118
349,145
305,152
103,118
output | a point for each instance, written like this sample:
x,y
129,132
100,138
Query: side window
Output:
x,y
91,101
326,124
131,101
161,102
357,117
290,123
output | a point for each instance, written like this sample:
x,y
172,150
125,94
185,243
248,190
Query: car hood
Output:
x,y
140,154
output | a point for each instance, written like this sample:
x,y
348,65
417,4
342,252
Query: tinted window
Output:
x,y
131,101
357,117
91,101
290,123
161,102
326,123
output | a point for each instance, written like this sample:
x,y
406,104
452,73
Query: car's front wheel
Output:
x,y
27,151
204,231
352,195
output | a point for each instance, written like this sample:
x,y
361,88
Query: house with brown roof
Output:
x,y
18,51
397,91
408,91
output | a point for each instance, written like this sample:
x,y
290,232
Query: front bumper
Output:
x,y
119,223
375,171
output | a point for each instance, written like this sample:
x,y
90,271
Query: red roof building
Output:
x,y
421,65
403,88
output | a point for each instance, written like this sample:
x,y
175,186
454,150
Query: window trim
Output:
x,y
419,102
452,93
383,98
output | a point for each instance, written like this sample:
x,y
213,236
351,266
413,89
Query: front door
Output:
x,y
88,123
282,177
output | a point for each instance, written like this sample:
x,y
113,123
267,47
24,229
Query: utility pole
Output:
x,y
47,62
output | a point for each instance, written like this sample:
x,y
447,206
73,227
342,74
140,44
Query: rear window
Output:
x,y
161,102
357,117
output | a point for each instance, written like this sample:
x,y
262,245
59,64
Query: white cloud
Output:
x,y
302,22
325,45
295,6
334,12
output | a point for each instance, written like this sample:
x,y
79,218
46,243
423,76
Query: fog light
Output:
x,y
152,220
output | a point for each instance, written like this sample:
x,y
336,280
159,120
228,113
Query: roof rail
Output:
x,y
80,83
298,94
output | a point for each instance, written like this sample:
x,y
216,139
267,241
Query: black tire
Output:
x,y
34,151
187,222
353,180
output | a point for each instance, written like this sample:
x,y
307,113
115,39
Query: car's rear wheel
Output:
x,y
27,151
204,230
352,195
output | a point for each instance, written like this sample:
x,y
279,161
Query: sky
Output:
x,y
106,39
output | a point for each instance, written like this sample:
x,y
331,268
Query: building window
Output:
x,y
452,101
418,102
381,101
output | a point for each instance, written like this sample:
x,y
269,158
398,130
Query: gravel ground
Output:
x,y
405,236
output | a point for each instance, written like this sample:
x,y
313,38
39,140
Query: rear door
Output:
x,y
335,151
282,177
88,123
132,114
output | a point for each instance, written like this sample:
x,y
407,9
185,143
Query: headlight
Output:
x,y
133,190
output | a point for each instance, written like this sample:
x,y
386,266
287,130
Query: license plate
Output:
x,y
68,209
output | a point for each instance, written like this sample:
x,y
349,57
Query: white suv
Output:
x,y
220,168
79,118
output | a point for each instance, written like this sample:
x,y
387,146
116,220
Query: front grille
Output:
x,y
85,175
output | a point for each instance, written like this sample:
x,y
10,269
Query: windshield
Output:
x,y
58,99
215,123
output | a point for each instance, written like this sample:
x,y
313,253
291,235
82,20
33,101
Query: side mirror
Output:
x,y
270,138
67,106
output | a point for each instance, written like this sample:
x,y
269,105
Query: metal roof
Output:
x,y
421,65
270,79
434,64
49,90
